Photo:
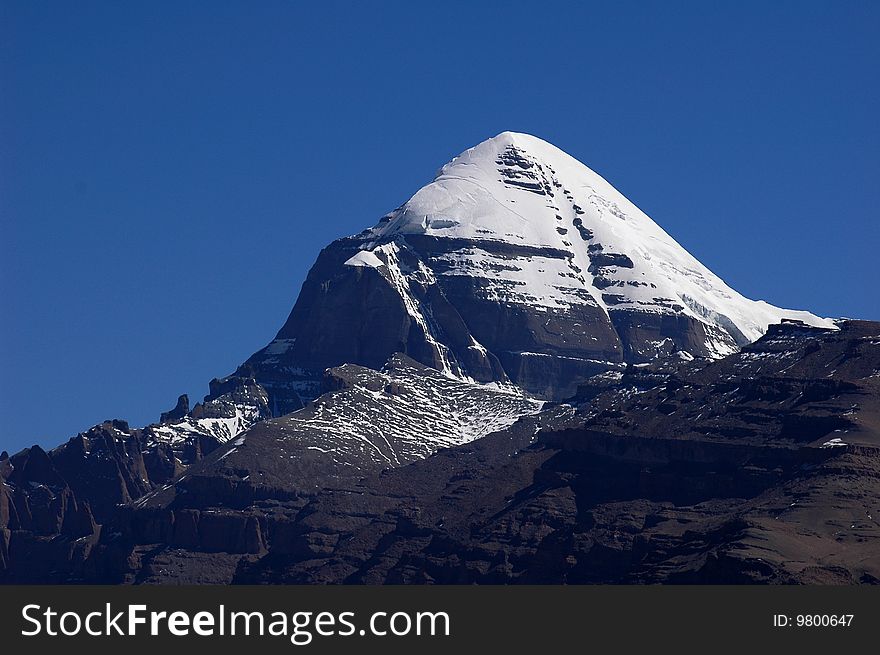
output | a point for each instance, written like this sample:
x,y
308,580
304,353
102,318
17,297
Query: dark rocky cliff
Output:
x,y
390,432
761,467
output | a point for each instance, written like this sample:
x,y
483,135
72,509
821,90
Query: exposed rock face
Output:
x,y
180,410
231,408
761,467
395,430
516,263
366,421
52,504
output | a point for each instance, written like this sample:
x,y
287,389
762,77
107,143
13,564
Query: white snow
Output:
x,y
429,410
365,258
471,198
223,428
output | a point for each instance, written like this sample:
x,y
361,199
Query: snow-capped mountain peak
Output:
x,y
520,189
517,263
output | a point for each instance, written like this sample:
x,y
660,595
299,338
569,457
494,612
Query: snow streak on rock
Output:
x,y
391,417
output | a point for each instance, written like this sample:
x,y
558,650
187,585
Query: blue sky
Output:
x,y
170,170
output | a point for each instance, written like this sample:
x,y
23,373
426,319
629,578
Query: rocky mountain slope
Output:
x,y
516,263
761,467
516,376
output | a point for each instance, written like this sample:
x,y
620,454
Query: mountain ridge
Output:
x,y
516,263
516,376
760,467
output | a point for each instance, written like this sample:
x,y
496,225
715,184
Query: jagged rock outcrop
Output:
x,y
53,503
181,409
231,407
760,467
697,478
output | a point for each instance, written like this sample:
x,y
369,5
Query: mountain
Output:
x,y
517,263
516,376
366,421
761,467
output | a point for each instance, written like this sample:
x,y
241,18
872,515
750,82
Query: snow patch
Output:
x,y
365,258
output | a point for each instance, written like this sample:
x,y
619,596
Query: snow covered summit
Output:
x,y
520,189
517,263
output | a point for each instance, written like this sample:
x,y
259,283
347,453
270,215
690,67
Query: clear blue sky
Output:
x,y
170,170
